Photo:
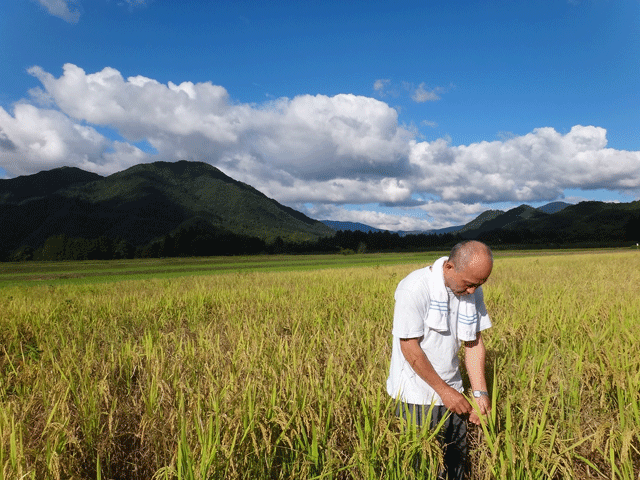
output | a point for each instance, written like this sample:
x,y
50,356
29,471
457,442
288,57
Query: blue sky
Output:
x,y
402,115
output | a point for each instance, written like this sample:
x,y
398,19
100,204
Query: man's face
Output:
x,y
466,281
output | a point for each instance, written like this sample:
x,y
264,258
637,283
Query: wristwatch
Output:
x,y
479,393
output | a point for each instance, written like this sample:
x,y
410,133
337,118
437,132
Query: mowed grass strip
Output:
x,y
282,375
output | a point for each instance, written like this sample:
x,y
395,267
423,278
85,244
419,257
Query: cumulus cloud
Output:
x,y
306,136
5,143
310,149
338,190
62,9
34,139
537,166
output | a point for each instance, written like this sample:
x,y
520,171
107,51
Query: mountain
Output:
x,y
140,204
557,223
479,220
501,220
42,184
475,225
440,231
187,208
587,223
489,215
350,226
496,219
553,207
361,227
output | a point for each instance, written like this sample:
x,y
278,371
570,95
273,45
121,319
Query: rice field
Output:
x,y
259,373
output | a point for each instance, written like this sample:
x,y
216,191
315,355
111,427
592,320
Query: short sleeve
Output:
x,y
409,313
484,321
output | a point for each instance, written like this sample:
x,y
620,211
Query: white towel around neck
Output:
x,y
437,316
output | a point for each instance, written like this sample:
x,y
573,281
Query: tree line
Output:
x,y
196,241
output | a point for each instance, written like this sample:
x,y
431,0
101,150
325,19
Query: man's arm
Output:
x,y
474,358
451,398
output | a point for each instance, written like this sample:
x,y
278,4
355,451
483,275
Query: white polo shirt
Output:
x,y
410,313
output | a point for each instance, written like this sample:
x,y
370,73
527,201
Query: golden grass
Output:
x,y
282,375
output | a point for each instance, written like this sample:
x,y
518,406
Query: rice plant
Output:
x,y
282,375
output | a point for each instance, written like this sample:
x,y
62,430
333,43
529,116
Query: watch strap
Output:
x,y
480,393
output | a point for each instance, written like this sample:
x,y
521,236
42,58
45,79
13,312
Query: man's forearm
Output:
x,y
420,364
474,356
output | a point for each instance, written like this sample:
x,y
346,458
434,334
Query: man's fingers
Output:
x,y
456,402
460,410
473,418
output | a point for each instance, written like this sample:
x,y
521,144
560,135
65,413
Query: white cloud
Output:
x,y
135,3
426,217
62,9
338,190
455,213
383,87
537,166
138,107
36,139
338,150
380,85
6,143
421,94
307,136
383,221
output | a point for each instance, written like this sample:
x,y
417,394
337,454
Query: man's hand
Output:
x,y
455,401
474,418
451,398
484,406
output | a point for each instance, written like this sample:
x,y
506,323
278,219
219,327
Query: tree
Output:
x,y
23,254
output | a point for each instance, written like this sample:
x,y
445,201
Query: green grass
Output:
x,y
87,272
281,374
59,273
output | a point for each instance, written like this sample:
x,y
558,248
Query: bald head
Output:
x,y
470,252
469,265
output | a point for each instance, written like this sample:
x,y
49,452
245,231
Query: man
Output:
x,y
437,309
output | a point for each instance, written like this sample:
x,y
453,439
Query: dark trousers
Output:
x,y
452,435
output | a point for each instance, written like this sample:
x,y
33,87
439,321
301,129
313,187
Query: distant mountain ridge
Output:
x,y
192,208
140,204
586,222
524,211
553,225
350,226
